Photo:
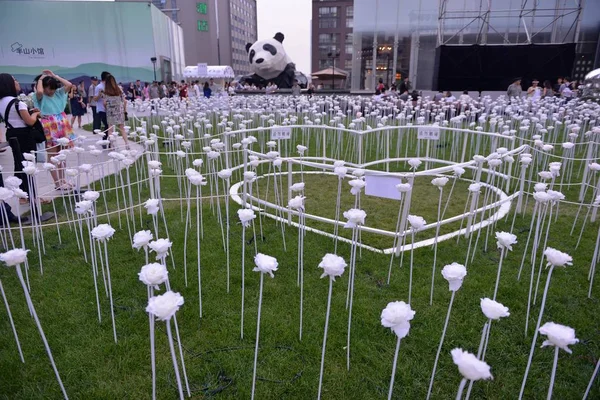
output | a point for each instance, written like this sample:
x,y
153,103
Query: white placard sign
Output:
x,y
202,70
429,133
281,132
382,186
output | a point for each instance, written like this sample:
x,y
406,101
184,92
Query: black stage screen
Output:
x,y
480,68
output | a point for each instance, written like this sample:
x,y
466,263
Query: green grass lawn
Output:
x,y
219,363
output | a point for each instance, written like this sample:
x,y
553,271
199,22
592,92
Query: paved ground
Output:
x,y
43,178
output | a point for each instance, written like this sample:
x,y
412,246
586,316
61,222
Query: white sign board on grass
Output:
x,y
281,132
429,133
382,186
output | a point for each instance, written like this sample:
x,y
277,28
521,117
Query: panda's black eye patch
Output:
x,y
270,48
252,54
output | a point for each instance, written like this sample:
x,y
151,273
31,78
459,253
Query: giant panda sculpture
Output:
x,y
270,63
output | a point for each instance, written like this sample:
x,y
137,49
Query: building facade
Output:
x,y
214,31
332,26
394,39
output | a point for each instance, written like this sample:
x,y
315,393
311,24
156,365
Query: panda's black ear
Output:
x,y
248,45
279,37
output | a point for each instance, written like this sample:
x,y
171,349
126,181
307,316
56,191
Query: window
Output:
x,y
327,23
349,38
349,48
350,22
324,63
350,11
328,12
327,38
348,64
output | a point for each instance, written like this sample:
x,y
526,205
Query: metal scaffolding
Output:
x,y
561,22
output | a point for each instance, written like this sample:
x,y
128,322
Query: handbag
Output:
x,y
36,131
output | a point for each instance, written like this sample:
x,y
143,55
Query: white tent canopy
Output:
x,y
213,71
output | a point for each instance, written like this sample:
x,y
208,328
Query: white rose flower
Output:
x,y
454,273
357,185
493,310
63,141
547,147
265,264
414,163
272,155
333,266
458,171
14,257
557,258
594,166
90,195
20,193
30,170
338,163
164,306
397,316
160,247
83,207
297,187
153,274
297,203
478,158
153,164
403,187
416,222
28,156
542,197
197,180
142,239
540,187
13,182
277,162
474,187
505,240
6,194
246,215
355,217
198,162
224,173
568,145
439,182
545,174
249,176
152,206
340,171
103,232
301,149
469,366
558,335
358,172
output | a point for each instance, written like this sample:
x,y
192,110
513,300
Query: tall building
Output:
x,y
214,31
332,23
472,45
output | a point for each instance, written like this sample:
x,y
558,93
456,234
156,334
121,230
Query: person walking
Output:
x,y
100,107
51,100
92,102
514,89
19,123
77,105
534,92
116,107
296,88
207,90
547,91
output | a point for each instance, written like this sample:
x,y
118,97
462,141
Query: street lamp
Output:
x,y
153,59
333,56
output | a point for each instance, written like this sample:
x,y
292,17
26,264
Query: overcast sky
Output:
x,y
292,18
